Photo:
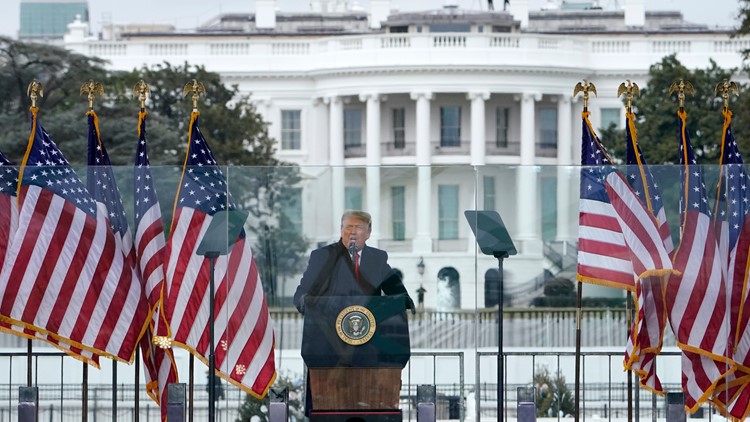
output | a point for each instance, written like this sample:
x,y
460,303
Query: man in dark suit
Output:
x,y
349,267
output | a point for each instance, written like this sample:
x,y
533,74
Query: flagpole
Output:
x,y
629,317
579,307
85,393
585,88
191,386
137,396
114,391
28,362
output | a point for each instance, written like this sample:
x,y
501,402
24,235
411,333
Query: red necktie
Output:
x,y
356,265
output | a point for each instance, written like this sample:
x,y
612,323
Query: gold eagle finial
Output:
x,y
140,91
681,87
196,88
585,87
725,88
630,89
34,91
92,88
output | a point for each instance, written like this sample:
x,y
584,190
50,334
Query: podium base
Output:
x,y
356,416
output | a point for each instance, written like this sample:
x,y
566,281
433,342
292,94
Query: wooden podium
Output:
x,y
355,388
355,349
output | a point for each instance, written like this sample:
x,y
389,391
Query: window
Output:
x,y
352,128
353,198
291,208
450,126
291,129
398,213
501,127
399,123
489,193
610,116
548,128
448,212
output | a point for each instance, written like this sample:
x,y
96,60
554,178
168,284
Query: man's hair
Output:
x,y
359,215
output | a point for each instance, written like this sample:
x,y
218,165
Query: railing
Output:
x,y
362,51
603,387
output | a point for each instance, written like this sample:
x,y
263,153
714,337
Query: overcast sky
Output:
x,y
191,13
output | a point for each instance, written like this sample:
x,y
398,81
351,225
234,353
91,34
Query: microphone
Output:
x,y
352,245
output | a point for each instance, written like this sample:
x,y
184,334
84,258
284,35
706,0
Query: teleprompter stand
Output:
x,y
493,239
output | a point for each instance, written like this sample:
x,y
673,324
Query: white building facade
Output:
x,y
416,117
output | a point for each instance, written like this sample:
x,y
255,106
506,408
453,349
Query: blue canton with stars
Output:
x,y
203,184
145,195
692,175
641,182
46,167
101,180
734,196
8,176
597,166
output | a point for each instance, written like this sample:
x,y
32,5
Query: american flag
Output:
x,y
102,185
150,247
733,206
603,256
8,205
244,340
64,273
647,333
8,226
696,300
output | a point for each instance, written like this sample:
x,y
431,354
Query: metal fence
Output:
x,y
456,400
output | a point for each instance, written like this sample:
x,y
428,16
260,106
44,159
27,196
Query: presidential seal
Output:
x,y
355,325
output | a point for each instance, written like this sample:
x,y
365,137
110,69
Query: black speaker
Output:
x,y
676,407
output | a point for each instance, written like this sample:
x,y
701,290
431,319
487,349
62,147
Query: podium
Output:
x,y
355,348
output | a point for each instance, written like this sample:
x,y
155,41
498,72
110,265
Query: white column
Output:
x,y
478,135
528,129
423,127
529,215
423,239
336,136
564,131
313,138
373,164
565,205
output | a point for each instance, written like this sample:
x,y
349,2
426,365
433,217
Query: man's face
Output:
x,y
355,228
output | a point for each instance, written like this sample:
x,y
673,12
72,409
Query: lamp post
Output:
x,y
420,267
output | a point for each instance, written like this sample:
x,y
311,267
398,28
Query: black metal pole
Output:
x,y
85,393
28,362
137,393
629,318
114,391
579,307
500,371
191,385
211,362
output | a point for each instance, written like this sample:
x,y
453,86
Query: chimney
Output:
x,y
520,11
635,12
265,14
379,11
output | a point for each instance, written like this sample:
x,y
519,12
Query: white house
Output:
x,y
418,116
